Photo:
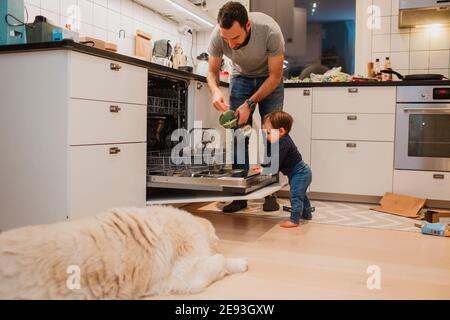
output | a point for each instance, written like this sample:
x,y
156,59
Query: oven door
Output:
x,y
422,138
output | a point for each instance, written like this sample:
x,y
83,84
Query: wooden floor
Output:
x,y
317,261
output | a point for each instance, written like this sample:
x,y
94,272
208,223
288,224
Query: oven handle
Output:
x,y
426,109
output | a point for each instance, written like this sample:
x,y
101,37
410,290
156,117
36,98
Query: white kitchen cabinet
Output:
x,y
423,184
103,79
44,178
353,132
97,122
368,127
354,100
298,103
105,176
352,167
204,110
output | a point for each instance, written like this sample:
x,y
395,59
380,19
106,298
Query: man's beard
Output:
x,y
246,41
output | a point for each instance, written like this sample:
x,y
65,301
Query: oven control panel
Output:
x,y
423,94
441,93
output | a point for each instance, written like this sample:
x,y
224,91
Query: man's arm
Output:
x,y
213,77
275,64
273,81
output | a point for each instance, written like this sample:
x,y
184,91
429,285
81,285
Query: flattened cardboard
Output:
x,y
401,205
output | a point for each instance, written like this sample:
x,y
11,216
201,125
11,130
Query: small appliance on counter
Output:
x,y
12,26
202,64
42,31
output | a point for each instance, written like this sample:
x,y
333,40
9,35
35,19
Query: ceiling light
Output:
x,y
181,8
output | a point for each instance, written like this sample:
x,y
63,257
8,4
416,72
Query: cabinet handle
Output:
x,y
353,90
114,109
352,118
438,176
199,85
115,66
351,145
306,93
114,150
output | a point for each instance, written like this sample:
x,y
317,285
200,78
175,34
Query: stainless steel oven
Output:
x,y
422,138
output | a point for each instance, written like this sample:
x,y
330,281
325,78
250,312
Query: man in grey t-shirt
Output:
x,y
255,44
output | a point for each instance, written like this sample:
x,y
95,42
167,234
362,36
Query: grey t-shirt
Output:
x,y
251,60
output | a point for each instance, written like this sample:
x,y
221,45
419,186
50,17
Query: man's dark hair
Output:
x,y
230,12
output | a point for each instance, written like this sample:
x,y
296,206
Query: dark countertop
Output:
x,y
71,45
158,69
367,84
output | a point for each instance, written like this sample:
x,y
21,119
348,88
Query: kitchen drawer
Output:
x,y
366,127
98,122
348,167
354,100
101,177
423,184
103,79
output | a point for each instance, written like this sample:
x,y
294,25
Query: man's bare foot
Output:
x,y
289,224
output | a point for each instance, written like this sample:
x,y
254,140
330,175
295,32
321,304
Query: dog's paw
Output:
x,y
237,265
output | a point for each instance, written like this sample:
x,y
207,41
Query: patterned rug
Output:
x,y
335,213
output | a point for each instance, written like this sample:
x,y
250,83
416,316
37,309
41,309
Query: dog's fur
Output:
x,y
124,253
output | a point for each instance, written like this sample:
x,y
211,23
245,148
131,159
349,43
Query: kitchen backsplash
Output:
x,y
103,19
412,51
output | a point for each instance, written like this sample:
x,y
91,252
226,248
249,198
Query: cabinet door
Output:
x,y
204,110
105,176
349,167
98,122
423,184
368,127
107,80
298,103
355,100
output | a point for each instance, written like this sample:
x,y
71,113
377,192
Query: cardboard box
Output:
x,y
401,205
437,216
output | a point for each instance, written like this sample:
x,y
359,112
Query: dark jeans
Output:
x,y
241,89
299,181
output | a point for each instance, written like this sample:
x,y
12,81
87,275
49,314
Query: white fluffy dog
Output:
x,y
125,253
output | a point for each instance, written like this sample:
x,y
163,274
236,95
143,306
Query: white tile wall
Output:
x,y
417,50
105,18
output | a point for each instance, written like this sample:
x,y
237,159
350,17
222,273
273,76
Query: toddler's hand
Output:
x,y
257,169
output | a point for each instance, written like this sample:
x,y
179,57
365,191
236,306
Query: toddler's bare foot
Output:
x,y
289,224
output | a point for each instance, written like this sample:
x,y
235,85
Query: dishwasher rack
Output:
x,y
161,163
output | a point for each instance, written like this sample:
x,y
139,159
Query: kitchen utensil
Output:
x,y
179,59
93,42
143,45
109,46
415,77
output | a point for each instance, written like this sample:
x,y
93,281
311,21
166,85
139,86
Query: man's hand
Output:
x,y
243,114
219,103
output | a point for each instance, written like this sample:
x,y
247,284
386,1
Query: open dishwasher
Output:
x,y
166,174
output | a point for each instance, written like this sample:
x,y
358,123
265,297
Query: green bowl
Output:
x,y
228,120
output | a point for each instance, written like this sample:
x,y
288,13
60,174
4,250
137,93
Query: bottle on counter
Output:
x,y
387,66
370,70
377,69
